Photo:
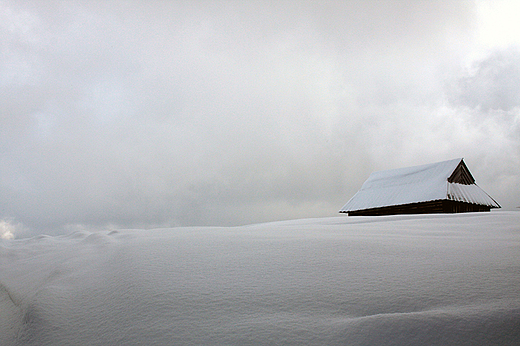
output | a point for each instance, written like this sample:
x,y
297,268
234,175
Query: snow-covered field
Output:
x,y
398,280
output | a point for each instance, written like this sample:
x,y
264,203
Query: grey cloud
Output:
x,y
492,83
143,114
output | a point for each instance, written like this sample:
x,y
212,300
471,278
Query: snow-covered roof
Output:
x,y
417,184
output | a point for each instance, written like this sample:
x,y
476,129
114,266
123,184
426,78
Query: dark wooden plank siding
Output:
x,y
461,175
432,207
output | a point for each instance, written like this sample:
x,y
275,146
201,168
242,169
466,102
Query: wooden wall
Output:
x,y
433,207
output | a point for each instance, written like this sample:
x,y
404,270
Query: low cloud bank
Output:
x,y
7,229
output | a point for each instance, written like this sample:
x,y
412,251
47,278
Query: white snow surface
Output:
x,y
416,184
388,280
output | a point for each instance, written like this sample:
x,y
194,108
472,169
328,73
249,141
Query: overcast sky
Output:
x,y
139,114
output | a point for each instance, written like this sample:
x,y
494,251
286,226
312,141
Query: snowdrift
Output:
x,y
395,280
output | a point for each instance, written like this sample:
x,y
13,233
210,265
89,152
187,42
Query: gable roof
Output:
x,y
446,180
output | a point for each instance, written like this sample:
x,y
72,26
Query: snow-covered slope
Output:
x,y
397,280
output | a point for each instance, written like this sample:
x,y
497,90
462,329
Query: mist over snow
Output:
x,y
6,230
150,114
389,280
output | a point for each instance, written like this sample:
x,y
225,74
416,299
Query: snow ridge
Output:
x,y
394,280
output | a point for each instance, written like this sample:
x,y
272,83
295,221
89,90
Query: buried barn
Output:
x,y
442,187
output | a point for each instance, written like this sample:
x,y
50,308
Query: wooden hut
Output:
x,y
442,187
